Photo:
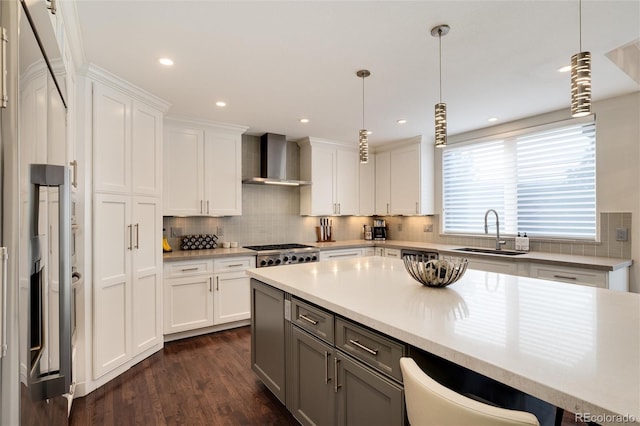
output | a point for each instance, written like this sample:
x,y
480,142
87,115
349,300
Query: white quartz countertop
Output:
x,y
576,347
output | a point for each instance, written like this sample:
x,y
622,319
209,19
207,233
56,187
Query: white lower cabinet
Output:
x,y
341,254
127,262
613,280
188,300
205,293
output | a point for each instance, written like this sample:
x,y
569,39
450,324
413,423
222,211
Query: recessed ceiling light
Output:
x,y
566,68
165,61
304,120
221,104
402,121
493,119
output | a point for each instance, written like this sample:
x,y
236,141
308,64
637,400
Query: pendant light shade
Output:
x,y
441,107
363,139
581,80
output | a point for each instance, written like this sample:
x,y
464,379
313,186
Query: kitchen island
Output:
x,y
575,347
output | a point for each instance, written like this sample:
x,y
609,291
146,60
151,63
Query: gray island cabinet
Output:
x,y
325,369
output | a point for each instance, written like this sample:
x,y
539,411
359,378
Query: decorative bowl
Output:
x,y
435,272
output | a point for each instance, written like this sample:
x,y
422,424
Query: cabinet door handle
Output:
x,y
137,226
189,269
387,208
565,277
307,319
357,344
326,368
217,283
201,207
52,7
74,180
339,209
130,228
210,285
417,211
336,385
207,206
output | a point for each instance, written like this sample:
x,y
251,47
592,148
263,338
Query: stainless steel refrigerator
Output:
x,y
36,220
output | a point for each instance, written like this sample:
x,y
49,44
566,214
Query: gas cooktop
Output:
x,y
268,247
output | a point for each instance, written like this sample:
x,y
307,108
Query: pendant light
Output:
x,y
441,107
363,138
581,79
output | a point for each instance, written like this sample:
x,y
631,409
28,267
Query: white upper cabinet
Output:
x,y
405,179
202,168
333,170
126,148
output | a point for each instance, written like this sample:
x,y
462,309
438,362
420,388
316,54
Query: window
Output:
x,y
541,181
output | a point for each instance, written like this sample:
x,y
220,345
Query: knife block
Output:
x,y
324,234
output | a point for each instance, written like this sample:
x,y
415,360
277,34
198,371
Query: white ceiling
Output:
x,y
276,62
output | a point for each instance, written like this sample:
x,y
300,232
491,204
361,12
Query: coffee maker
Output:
x,y
379,230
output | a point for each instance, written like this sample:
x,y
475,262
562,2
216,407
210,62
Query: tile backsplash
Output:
x,y
271,214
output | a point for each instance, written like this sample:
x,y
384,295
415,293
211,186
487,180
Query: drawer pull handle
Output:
x,y
307,319
236,265
189,269
331,256
357,344
565,277
326,368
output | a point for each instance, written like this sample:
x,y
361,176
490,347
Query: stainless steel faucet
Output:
x,y
499,243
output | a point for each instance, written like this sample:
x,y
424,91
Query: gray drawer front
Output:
x,y
376,350
315,320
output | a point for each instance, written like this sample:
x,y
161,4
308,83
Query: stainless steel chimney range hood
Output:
x,y
273,163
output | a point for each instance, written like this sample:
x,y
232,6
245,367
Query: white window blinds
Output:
x,y
541,181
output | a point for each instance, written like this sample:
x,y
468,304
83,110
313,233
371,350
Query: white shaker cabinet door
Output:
x,y
383,183
146,295
112,242
146,167
405,181
222,174
347,182
232,297
111,140
183,172
367,193
188,303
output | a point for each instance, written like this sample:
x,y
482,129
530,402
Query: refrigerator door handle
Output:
x,y
53,383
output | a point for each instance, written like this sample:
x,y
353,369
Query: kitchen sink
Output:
x,y
490,251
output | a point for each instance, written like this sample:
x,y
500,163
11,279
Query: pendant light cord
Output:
x,y
363,101
440,59
580,23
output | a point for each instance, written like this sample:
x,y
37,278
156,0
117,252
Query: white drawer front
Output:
x,y
188,267
569,275
389,252
341,254
225,264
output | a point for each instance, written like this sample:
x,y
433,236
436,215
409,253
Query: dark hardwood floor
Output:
x,y
204,380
